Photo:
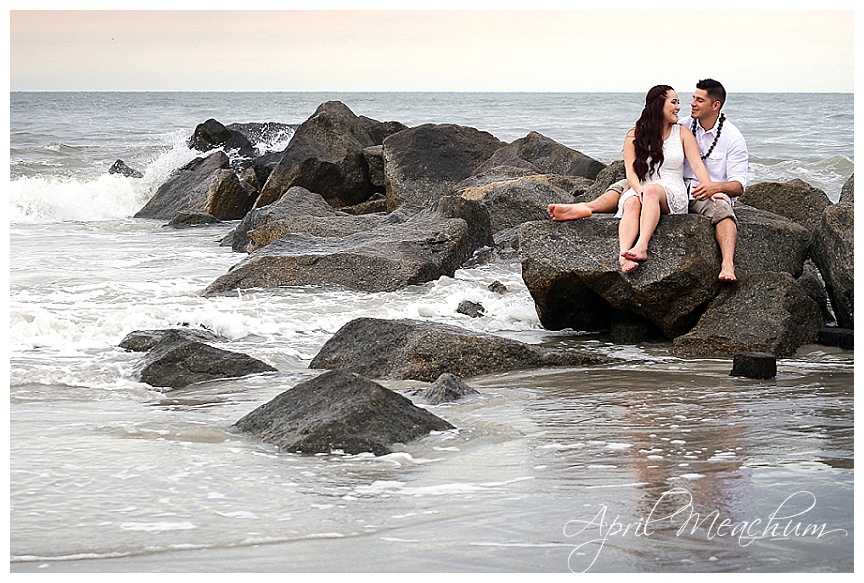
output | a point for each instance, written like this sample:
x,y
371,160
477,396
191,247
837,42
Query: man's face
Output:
x,y
702,106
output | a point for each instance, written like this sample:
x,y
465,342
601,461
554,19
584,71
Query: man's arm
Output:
x,y
737,162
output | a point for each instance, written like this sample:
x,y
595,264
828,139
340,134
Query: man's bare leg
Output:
x,y
727,236
605,203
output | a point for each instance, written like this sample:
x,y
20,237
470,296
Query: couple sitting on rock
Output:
x,y
697,164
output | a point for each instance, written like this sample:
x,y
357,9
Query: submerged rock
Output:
x,y
446,389
414,349
339,411
177,361
144,340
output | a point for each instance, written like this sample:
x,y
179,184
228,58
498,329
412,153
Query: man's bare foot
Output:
x,y
569,212
727,274
635,255
626,264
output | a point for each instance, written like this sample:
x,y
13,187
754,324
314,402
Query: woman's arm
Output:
x,y
629,158
691,151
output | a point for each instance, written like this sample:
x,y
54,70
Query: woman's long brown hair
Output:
x,y
649,133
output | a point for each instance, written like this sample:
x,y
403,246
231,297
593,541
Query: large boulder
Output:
x,y
545,156
325,155
424,163
572,271
413,349
381,130
339,411
513,202
177,361
186,189
571,267
228,199
795,200
397,253
609,175
766,312
833,251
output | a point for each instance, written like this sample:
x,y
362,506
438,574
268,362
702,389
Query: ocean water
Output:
x,y
628,468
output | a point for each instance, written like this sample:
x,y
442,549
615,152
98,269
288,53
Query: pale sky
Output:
x,y
430,50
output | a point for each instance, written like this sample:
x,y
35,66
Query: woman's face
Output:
x,y
671,107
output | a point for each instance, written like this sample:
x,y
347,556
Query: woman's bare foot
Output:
x,y
635,254
727,273
569,212
627,265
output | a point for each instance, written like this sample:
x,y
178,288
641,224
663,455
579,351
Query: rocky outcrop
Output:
x,y
833,251
397,253
413,349
795,200
120,167
144,340
571,268
543,155
212,134
177,361
513,202
426,162
339,411
186,189
767,312
227,198
325,155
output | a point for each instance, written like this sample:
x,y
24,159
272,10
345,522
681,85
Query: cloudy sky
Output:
x,y
429,50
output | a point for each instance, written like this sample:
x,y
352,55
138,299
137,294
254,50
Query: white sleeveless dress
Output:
x,y
670,175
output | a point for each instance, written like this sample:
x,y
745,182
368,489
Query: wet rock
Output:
x,y
426,162
186,189
769,242
395,254
795,200
325,155
339,411
192,219
766,312
212,134
833,251
413,349
754,365
120,167
840,337
144,340
177,361
847,193
497,287
813,285
472,309
446,389
227,198
546,156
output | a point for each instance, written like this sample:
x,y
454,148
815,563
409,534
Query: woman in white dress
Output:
x,y
654,153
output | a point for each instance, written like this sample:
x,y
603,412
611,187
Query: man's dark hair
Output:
x,y
714,89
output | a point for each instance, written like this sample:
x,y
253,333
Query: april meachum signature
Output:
x,y
780,524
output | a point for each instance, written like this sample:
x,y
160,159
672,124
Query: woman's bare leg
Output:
x,y
653,205
628,230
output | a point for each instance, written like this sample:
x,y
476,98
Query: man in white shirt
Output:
x,y
724,152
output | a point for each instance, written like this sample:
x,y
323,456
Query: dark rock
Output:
x,y
629,328
833,251
769,242
847,193
381,130
339,411
795,200
192,219
186,189
212,134
546,155
411,349
754,365
326,156
227,199
120,167
177,361
497,287
446,389
472,309
374,156
612,173
426,162
269,132
377,204
393,255
572,271
813,285
144,340
513,202
840,337
767,312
